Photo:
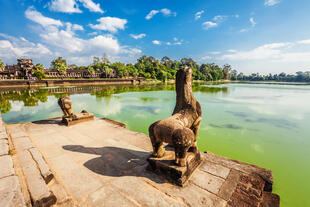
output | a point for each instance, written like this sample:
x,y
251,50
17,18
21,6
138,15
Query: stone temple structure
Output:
x,y
22,70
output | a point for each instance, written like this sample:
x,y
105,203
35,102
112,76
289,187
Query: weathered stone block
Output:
x,y
175,174
229,185
108,196
270,200
214,169
10,193
4,147
144,194
207,181
6,166
43,167
39,192
22,143
3,135
80,117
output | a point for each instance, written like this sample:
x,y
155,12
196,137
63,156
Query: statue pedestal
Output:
x,y
166,166
77,118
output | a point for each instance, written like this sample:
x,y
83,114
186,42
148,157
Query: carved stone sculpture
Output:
x,y
181,129
65,104
69,118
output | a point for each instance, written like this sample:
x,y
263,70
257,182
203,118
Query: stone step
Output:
x,y
35,170
40,194
10,189
10,193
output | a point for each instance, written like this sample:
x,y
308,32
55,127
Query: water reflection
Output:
x,y
33,96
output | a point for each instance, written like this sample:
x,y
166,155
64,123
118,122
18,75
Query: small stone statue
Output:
x,y
69,118
181,129
65,104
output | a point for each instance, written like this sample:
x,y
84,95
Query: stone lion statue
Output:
x,y
181,129
65,104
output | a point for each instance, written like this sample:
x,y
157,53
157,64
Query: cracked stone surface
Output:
x,y
101,164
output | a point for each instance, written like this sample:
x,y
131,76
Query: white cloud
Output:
x,y
93,33
166,12
151,14
139,36
253,23
12,48
71,6
198,14
271,2
219,18
207,25
206,58
111,24
232,51
156,42
215,53
37,17
304,41
268,51
63,41
93,7
66,6
276,52
77,27
175,41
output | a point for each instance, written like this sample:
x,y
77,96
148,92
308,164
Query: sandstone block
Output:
x,y
39,192
10,193
207,181
22,143
43,167
214,169
109,196
4,147
3,135
6,166
176,174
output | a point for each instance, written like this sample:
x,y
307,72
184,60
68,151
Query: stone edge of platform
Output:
x,y
10,188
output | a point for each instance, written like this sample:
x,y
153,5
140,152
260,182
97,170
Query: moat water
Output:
x,y
263,124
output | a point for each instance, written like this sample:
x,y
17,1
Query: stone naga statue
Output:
x,y
181,129
65,104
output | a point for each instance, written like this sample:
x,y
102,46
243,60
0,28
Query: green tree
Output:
x,y
39,71
59,64
39,74
1,64
39,66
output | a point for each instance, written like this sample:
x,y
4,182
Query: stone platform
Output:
x,y
175,174
98,163
78,118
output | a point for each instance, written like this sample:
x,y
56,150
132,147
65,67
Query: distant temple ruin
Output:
x,y
24,70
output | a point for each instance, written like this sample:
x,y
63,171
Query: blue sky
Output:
x,y
252,35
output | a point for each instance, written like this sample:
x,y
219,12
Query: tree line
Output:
x,y
165,69
281,77
150,68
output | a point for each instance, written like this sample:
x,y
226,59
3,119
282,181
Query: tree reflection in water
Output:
x,y
32,96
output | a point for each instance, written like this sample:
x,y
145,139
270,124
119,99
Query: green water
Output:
x,y
263,124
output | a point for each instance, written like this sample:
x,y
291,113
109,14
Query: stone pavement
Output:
x,y
10,190
98,163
